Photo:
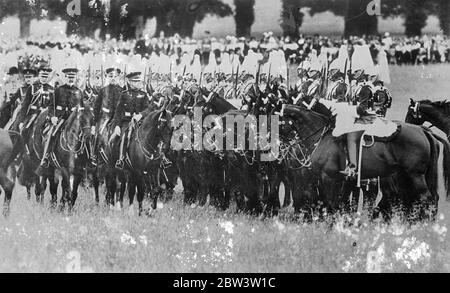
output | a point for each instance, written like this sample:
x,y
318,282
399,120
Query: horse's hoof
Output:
x,y
118,206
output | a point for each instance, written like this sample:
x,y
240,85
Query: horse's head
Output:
x,y
157,127
414,115
300,121
86,120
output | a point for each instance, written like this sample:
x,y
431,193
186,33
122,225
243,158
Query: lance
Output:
x,y
101,74
257,76
145,77
124,77
349,84
268,77
288,81
236,82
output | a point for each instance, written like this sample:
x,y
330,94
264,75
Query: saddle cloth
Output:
x,y
348,121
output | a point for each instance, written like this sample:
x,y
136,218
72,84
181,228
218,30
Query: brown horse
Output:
x,y
415,151
11,145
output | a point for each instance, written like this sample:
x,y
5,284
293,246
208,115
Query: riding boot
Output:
x,y
352,147
119,163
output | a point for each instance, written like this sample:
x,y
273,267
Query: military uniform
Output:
x,y
67,98
132,102
106,102
37,99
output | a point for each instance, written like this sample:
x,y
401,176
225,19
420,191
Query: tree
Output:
x,y
244,17
291,18
357,21
444,16
25,11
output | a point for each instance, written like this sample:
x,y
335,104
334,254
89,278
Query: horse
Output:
x,y
70,154
11,144
436,113
149,141
415,151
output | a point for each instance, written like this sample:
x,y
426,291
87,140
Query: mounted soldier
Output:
x,y
347,117
132,103
36,100
106,102
338,90
382,98
18,98
67,98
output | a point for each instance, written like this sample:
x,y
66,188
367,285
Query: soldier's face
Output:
x,y
112,77
28,79
71,79
44,78
136,84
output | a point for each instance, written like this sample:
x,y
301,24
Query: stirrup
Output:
x,y
44,163
119,164
349,172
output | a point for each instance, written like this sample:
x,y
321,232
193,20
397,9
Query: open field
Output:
x,y
177,238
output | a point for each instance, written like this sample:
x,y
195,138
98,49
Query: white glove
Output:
x,y
117,131
137,117
54,120
20,126
93,130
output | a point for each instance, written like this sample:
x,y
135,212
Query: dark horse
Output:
x,y
415,151
149,141
436,113
11,145
70,153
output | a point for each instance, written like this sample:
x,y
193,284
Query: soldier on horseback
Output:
x,y
362,67
132,103
37,99
18,98
67,98
106,103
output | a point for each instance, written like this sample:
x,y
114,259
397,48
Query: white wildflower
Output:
x,y
227,226
143,240
127,239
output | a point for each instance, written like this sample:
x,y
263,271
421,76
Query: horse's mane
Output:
x,y
442,105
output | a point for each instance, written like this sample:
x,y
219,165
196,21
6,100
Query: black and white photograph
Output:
x,y
226,137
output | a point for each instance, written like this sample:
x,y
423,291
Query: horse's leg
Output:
x,y
123,186
8,187
140,194
131,191
53,188
40,192
66,195
111,187
76,182
96,183
426,210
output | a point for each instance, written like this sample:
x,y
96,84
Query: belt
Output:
x,y
36,108
106,110
128,114
62,109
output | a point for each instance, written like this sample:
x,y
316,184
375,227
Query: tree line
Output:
x,y
126,18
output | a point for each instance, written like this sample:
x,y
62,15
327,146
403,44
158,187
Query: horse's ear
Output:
x,y
411,100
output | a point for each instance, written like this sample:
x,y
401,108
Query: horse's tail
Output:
x,y
438,176
445,166
18,145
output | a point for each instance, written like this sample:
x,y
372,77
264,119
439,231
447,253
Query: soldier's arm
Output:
x,y
52,103
365,96
26,104
145,105
98,105
119,110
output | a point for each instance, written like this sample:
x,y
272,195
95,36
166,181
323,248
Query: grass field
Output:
x,y
177,238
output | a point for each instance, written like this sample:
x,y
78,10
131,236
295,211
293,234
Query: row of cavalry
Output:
x,y
406,172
